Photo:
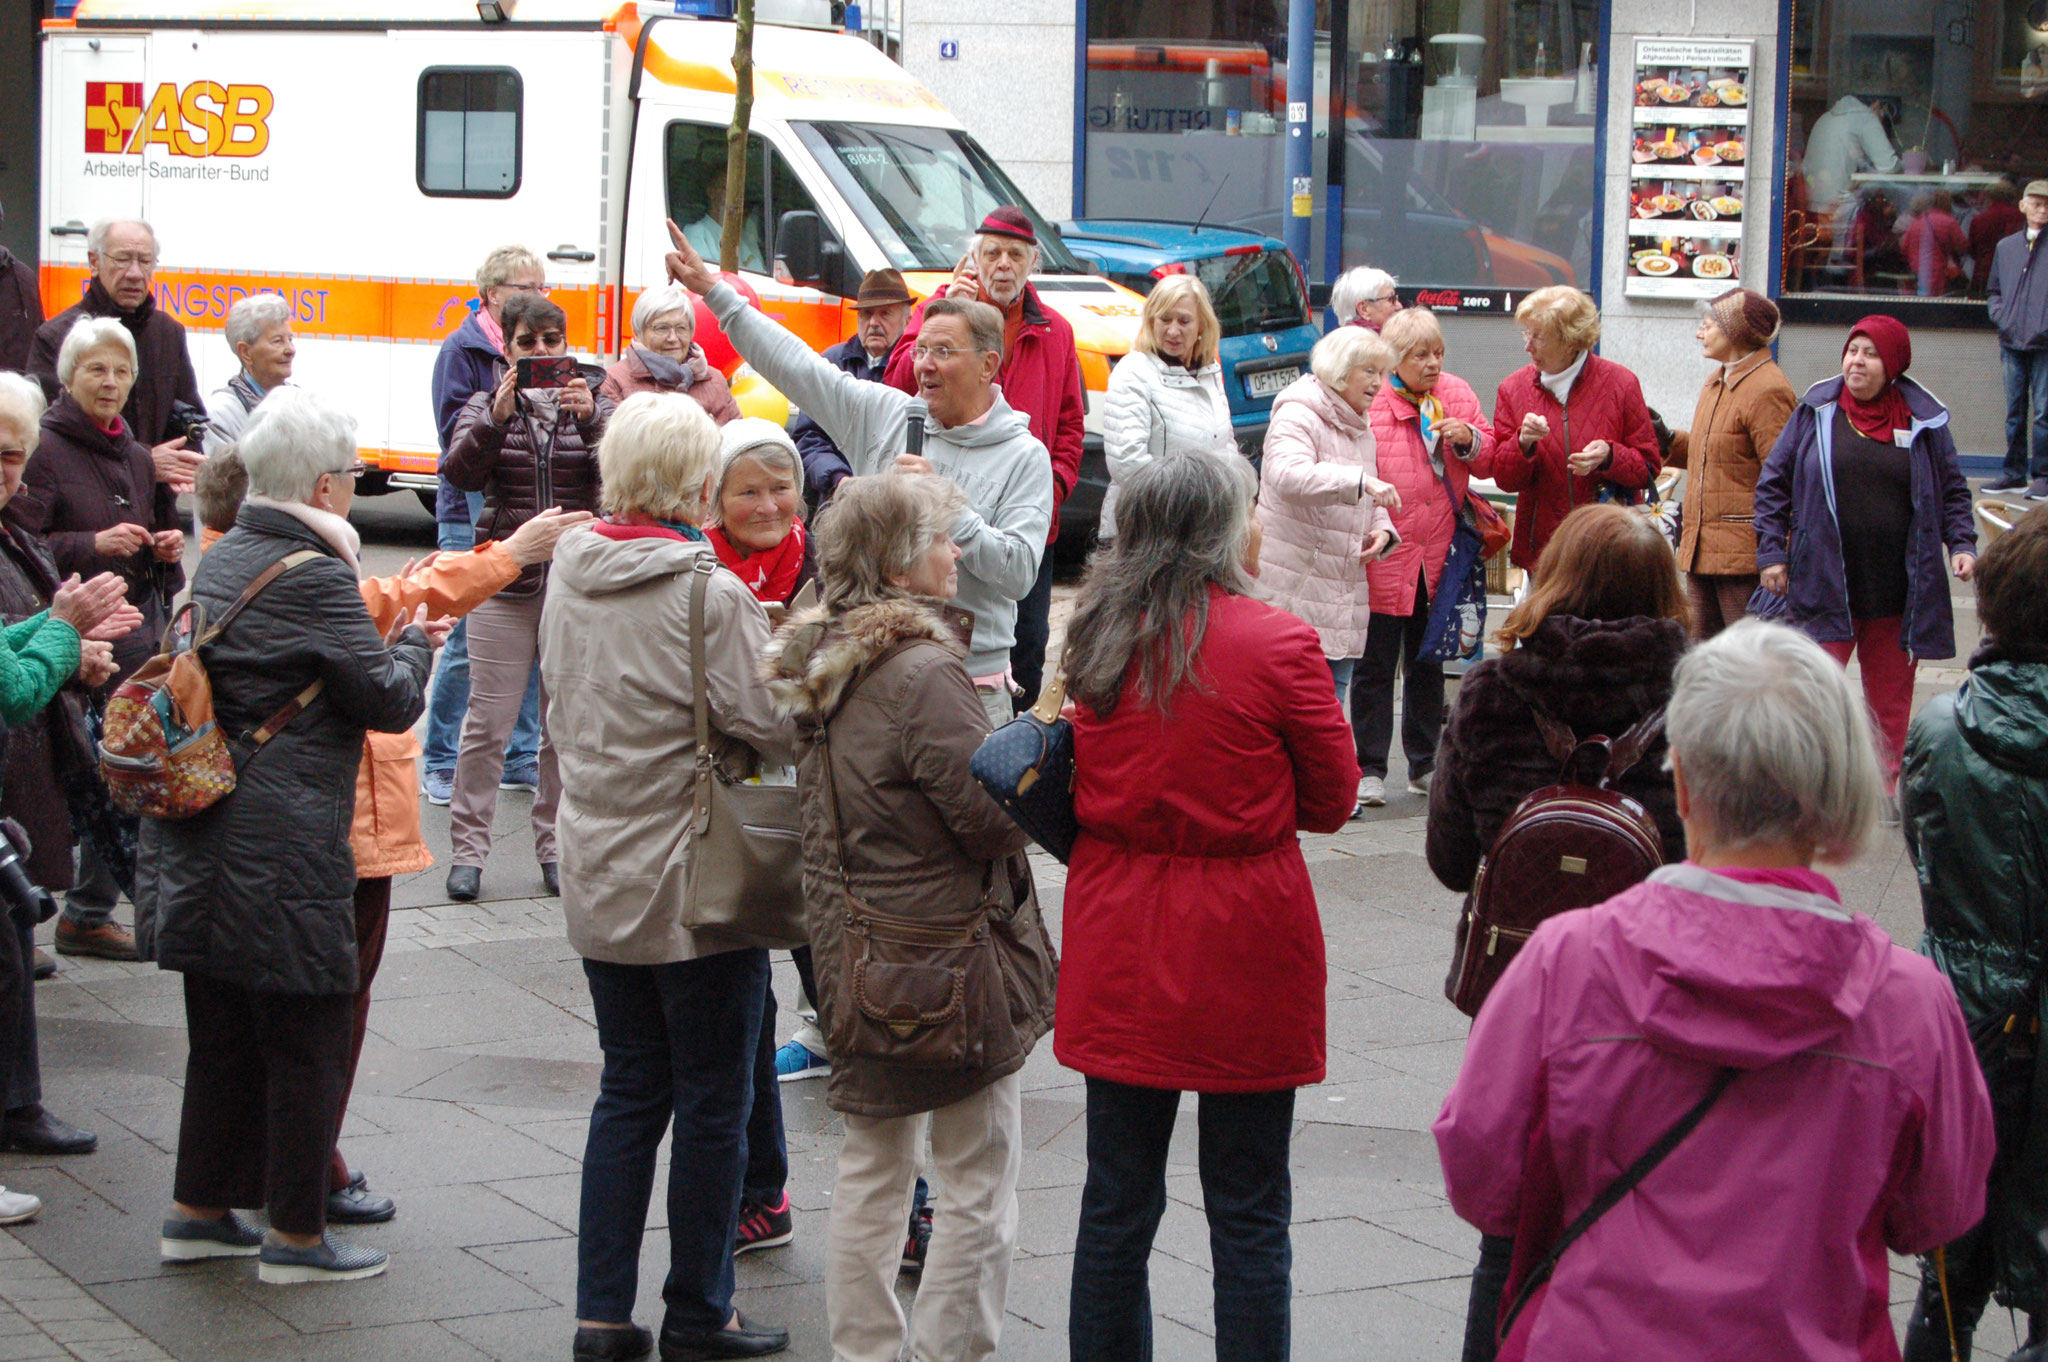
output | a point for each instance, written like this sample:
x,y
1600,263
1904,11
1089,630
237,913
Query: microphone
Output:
x,y
916,414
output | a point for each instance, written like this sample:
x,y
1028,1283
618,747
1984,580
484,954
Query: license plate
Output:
x,y
1269,382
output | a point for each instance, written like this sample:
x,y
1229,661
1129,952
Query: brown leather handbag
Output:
x,y
1568,845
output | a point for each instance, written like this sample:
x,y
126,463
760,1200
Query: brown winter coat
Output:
x,y
42,752
1733,429
922,839
501,462
707,385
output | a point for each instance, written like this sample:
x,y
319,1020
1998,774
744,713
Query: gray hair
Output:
x,y
658,451
1355,287
21,401
751,437
251,317
1341,353
1182,523
96,235
1775,745
291,441
984,322
504,262
876,528
657,302
86,335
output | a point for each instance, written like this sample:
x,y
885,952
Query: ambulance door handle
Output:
x,y
568,252
71,228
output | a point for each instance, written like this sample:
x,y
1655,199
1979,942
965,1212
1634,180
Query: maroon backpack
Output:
x,y
1568,845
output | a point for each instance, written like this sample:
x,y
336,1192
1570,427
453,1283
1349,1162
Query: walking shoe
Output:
x,y
356,1204
742,1338
108,941
439,787
1372,792
524,777
796,1060
280,1264
1419,785
2006,482
611,1345
32,1130
763,1227
919,1241
465,882
16,1207
46,964
551,878
2037,490
187,1241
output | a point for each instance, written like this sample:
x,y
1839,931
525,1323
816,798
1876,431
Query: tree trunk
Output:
x,y
735,221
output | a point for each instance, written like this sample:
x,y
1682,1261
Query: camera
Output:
x,y
188,421
28,903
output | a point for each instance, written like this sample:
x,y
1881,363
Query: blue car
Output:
x,y
1255,283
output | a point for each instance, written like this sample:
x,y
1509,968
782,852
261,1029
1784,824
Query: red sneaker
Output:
x,y
763,1227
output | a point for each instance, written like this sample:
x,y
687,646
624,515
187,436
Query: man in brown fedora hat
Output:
x,y
883,306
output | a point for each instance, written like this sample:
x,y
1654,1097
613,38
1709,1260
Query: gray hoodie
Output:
x,y
1004,471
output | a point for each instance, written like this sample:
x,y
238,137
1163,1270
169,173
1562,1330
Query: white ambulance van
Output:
x,y
362,156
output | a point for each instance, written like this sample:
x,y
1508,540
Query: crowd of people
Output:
x,y
638,589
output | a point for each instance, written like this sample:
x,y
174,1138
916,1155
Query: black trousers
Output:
x,y
17,1015
1034,629
1391,642
263,1095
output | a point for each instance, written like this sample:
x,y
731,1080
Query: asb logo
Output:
x,y
203,119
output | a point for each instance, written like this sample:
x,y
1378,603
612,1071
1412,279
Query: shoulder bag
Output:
x,y
1027,767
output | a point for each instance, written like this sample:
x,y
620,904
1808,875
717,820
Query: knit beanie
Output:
x,y
1749,319
746,434
1894,343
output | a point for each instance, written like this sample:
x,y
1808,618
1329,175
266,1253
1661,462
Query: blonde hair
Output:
x,y
1172,289
1410,330
658,451
1344,350
876,528
500,265
1573,317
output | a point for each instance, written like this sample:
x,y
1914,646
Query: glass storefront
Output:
x,y
1913,126
1464,141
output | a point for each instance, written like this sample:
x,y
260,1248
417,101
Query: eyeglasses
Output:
x,y
10,453
1385,298
130,260
541,289
534,340
353,471
671,328
941,353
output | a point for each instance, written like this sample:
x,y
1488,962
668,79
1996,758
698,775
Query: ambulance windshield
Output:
x,y
922,192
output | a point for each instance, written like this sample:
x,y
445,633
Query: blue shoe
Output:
x,y
525,776
185,1241
439,785
330,1260
794,1061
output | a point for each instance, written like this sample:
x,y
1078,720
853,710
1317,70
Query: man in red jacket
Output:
x,y
1040,377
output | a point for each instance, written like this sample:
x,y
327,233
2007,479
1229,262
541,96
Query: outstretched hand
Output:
x,y
685,266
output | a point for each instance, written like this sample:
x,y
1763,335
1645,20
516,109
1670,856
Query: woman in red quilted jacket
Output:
x,y
1569,429
1206,735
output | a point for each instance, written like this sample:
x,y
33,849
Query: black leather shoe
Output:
x,y
356,1204
746,1339
612,1345
465,882
35,1131
551,876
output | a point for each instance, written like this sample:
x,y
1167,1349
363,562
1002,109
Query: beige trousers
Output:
x,y
504,643
977,1152
996,704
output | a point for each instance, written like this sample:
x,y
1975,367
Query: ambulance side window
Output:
x,y
696,192
469,131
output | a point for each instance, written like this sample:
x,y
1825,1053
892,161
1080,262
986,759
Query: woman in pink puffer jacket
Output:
x,y
1322,506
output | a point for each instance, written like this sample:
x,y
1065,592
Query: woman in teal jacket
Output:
x,y
1975,805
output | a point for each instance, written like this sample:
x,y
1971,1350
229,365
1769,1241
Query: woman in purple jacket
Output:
x,y
1860,503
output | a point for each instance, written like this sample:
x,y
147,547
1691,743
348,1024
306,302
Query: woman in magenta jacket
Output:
x,y
1570,428
1429,427
1206,735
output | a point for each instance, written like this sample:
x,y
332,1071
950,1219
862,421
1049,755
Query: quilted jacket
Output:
x,y
1605,403
259,889
1315,515
1739,418
517,482
1152,409
1427,516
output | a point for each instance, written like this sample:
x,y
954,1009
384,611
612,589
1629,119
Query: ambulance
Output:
x,y
362,156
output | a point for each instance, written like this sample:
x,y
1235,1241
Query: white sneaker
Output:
x,y
16,1207
1372,792
1419,785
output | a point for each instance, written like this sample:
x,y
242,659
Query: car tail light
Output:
x,y
1170,267
1244,250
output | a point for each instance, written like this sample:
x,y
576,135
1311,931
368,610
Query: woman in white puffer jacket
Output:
x,y
1322,504
1166,395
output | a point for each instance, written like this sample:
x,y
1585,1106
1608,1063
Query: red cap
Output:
x,y
1008,221
1894,343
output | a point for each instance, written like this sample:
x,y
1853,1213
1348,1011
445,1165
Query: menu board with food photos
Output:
x,y
1688,173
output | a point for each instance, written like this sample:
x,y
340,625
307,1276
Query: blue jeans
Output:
x,y
767,1144
2026,384
1249,1197
679,1041
450,700
1340,672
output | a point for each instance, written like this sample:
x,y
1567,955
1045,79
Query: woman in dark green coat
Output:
x,y
1975,801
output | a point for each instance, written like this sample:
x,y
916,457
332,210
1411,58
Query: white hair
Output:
x,y
291,440
657,302
1339,354
1775,745
658,451
96,235
86,335
1355,287
254,315
21,401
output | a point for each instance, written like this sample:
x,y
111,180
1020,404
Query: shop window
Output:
x,y
1913,125
1465,149
696,163
468,143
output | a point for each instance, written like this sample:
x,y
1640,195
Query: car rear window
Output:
x,y
1254,291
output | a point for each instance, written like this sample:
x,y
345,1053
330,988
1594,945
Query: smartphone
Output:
x,y
546,371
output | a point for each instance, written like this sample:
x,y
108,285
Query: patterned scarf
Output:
x,y
1428,406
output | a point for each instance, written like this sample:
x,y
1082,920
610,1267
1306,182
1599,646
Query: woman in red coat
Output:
x,y
1571,428
1206,734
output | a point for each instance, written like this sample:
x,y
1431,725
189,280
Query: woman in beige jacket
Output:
x,y
678,1015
